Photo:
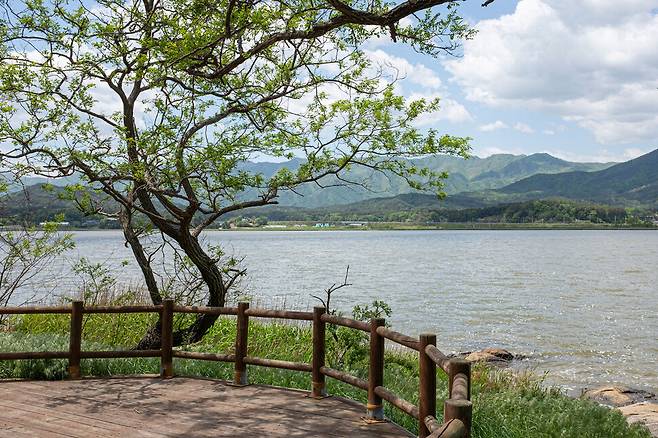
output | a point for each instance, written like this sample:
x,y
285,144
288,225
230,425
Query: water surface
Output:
x,y
581,305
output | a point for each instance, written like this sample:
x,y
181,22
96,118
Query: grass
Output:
x,y
505,404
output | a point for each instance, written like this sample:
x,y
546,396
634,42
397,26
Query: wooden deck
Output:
x,y
179,407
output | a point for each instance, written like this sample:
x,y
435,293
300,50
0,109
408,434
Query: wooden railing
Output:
x,y
457,407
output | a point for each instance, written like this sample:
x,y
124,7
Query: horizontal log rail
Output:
x,y
119,354
34,309
283,364
401,339
282,314
346,322
123,309
206,310
204,356
439,358
457,407
345,377
400,403
34,355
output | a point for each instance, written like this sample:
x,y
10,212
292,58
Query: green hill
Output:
x,y
630,184
634,182
571,195
41,203
471,175
416,208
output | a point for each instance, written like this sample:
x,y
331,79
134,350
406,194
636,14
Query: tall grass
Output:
x,y
505,404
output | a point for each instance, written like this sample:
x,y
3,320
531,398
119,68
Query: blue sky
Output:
x,y
576,79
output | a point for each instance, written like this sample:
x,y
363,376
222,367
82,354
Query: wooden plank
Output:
x,y
59,421
107,421
151,407
40,426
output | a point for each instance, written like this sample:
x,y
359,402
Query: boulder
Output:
x,y
645,412
500,353
618,395
489,355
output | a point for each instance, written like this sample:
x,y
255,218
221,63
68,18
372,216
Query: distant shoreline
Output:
x,y
390,226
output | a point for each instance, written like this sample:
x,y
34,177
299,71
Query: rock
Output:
x,y
480,356
644,412
499,353
489,355
617,396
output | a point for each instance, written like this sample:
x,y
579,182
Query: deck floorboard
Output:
x,y
179,407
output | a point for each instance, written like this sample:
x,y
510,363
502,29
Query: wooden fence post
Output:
x,y
427,386
167,339
376,370
459,366
318,385
75,339
240,374
459,408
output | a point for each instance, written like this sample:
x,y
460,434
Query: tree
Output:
x,y
24,252
159,104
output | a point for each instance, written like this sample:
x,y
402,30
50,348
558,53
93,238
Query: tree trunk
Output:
x,y
151,338
125,218
213,278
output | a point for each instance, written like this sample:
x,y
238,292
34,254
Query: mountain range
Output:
x,y
465,175
632,183
635,181
473,183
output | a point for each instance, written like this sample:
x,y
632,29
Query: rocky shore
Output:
x,y
635,404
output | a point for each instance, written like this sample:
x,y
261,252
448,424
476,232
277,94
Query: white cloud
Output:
x,y
449,110
603,156
400,68
493,150
417,81
548,132
453,111
498,124
522,127
633,153
593,62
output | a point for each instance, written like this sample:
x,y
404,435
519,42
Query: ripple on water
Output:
x,y
582,302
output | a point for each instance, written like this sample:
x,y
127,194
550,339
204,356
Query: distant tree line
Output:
x,y
546,211
537,211
32,210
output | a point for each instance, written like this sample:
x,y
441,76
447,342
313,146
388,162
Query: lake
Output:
x,y
582,305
